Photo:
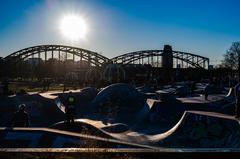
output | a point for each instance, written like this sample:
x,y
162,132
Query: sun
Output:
x,y
73,27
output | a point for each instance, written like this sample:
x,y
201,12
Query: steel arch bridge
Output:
x,y
147,57
95,59
56,51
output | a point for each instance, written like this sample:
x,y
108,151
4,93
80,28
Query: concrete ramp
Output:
x,y
195,129
230,92
118,103
215,103
56,100
43,110
160,116
202,130
50,138
83,126
92,127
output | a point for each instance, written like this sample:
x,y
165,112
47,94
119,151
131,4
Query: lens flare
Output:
x,y
73,27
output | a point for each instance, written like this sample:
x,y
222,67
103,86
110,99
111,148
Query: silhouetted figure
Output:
x,y
20,118
47,83
237,97
44,84
206,91
193,87
5,84
70,108
64,87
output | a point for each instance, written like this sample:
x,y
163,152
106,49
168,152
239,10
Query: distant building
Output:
x,y
210,67
34,61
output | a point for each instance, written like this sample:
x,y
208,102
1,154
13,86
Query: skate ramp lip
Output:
x,y
106,127
49,95
201,100
173,136
116,128
230,92
104,93
52,138
94,127
81,126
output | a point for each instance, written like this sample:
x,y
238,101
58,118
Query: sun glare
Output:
x,y
73,27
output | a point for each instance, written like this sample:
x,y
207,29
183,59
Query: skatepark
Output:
x,y
120,115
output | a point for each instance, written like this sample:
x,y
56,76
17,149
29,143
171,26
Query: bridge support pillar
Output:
x,y
167,57
167,63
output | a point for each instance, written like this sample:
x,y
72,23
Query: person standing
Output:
x,y
237,97
70,108
21,117
206,91
193,87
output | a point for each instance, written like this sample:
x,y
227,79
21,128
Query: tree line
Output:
x,y
232,57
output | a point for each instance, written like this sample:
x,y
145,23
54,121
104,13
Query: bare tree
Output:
x,y
232,56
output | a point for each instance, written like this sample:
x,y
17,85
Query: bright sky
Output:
x,y
204,27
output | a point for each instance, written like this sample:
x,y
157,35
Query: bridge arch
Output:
x,y
93,58
189,59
